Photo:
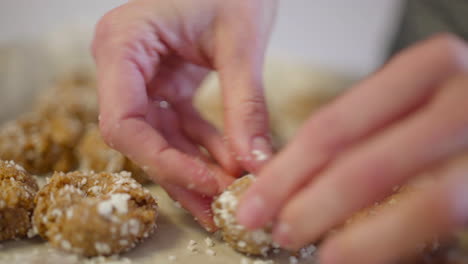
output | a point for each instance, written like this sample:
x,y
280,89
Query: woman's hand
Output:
x,y
409,117
151,56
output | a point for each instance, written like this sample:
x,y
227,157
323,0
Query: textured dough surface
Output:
x,y
40,144
257,242
94,154
94,213
17,191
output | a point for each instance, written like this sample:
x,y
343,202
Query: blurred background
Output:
x,y
346,35
40,40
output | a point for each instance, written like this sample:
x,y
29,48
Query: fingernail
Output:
x,y
250,210
261,149
281,234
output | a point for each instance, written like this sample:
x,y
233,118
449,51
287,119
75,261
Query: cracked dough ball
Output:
x,y
41,145
94,154
17,191
94,214
257,242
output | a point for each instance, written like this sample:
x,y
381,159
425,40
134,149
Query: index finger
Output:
x,y
123,72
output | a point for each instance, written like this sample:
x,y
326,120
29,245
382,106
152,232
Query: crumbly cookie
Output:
x,y
93,154
17,191
94,214
73,95
257,242
41,145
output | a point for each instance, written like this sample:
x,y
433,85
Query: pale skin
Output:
x,y
408,117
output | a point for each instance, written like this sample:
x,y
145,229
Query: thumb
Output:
x,y
239,57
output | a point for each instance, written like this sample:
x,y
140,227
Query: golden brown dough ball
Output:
x,y
41,145
17,191
257,242
94,214
93,154
74,95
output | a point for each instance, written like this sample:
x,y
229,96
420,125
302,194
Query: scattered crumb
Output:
x,y
177,204
259,155
259,261
192,246
210,252
209,242
172,258
293,260
244,261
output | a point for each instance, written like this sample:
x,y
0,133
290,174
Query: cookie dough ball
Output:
x,y
74,95
257,242
41,145
93,154
17,191
94,214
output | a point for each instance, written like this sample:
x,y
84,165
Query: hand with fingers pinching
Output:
x,y
410,117
151,56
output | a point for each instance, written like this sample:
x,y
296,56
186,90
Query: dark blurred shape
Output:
x,y
423,18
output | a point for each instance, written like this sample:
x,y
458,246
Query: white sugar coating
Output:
x,y
164,104
192,246
124,229
12,164
209,242
134,226
117,201
293,260
210,252
109,260
172,258
259,155
225,215
260,236
102,248
260,261
32,232
65,245
69,213
56,213
108,200
308,251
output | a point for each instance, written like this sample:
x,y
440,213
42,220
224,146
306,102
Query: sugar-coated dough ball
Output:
x,y
17,191
74,94
94,214
41,145
257,242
